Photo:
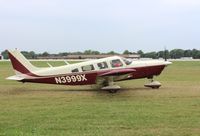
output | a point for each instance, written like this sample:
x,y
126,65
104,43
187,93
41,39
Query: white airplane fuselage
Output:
x,y
85,73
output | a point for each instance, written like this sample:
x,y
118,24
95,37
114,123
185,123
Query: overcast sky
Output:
x,y
104,25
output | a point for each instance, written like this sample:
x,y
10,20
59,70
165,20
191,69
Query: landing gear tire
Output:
x,y
155,87
112,91
153,84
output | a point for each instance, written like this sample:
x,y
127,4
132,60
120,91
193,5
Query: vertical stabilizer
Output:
x,y
20,64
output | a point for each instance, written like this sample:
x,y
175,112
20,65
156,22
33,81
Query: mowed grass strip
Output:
x,y
38,109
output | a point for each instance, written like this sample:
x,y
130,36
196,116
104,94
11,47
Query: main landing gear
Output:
x,y
110,86
153,84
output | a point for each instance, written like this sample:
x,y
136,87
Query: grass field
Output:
x,y
38,109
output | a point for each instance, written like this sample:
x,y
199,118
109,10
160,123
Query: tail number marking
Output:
x,y
69,79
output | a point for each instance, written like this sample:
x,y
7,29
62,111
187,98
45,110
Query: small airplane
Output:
x,y
104,72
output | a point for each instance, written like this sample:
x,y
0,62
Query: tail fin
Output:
x,y
20,64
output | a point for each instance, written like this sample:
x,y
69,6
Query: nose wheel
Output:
x,y
153,84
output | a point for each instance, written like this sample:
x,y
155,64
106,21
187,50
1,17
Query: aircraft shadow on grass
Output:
x,y
26,89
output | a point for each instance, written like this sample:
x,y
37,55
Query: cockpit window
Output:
x,y
102,65
127,61
88,68
116,63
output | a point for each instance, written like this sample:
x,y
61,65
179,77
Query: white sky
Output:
x,y
104,25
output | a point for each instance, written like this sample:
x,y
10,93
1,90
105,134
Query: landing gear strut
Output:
x,y
153,84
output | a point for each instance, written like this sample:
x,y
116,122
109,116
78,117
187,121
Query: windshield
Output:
x,y
127,61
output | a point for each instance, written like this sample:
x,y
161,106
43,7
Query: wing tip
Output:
x,y
16,78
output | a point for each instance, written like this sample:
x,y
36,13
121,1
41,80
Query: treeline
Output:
x,y
172,54
33,55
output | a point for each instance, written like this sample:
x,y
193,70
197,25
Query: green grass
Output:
x,y
38,109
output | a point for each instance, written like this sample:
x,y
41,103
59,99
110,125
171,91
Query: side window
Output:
x,y
116,63
75,70
102,65
88,68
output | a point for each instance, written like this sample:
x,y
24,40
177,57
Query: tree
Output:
x,y
195,54
179,53
172,54
63,54
33,55
5,54
90,52
152,55
45,54
87,52
126,52
187,53
95,52
166,52
198,55
176,53
161,54
112,53
75,53
26,54
141,53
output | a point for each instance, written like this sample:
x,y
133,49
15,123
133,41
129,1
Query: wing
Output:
x,y
117,72
114,75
